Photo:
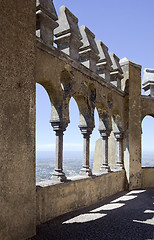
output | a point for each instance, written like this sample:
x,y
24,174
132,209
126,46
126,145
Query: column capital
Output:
x,y
59,126
118,135
85,130
104,133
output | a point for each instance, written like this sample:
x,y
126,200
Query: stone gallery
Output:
x,y
38,47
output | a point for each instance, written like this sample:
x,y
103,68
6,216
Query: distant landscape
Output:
x,y
45,163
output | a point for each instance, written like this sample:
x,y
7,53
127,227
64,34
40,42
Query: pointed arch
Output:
x,y
86,112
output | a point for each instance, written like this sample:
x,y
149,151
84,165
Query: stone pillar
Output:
x,y
119,139
104,167
131,83
86,143
58,174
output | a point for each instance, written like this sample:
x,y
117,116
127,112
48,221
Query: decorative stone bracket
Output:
x,y
68,37
116,72
88,52
46,17
104,63
148,82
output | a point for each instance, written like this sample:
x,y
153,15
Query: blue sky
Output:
x,y
127,28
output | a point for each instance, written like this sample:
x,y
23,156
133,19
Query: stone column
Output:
x,y
104,167
86,143
119,138
58,174
131,84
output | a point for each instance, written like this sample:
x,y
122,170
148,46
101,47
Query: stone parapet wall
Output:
x,y
58,199
147,177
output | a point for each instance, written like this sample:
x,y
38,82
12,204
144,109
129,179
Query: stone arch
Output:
x,y
104,117
66,81
92,92
59,103
55,98
150,114
117,122
86,112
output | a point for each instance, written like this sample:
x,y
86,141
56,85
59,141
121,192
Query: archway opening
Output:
x,y
45,136
148,142
73,142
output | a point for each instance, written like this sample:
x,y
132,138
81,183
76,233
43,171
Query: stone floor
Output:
x,y
125,216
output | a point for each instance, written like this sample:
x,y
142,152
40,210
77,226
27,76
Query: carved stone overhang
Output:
x,y
68,37
104,63
148,82
46,17
116,71
88,51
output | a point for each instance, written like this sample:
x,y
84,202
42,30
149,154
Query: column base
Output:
x,y
59,177
86,172
119,166
105,169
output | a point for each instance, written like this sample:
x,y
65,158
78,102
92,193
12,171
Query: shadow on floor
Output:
x,y
124,216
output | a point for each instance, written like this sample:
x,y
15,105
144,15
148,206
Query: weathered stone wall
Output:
x,y
132,142
53,201
17,120
147,107
147,177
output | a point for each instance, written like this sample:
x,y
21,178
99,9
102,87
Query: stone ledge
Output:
x,y
126,61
